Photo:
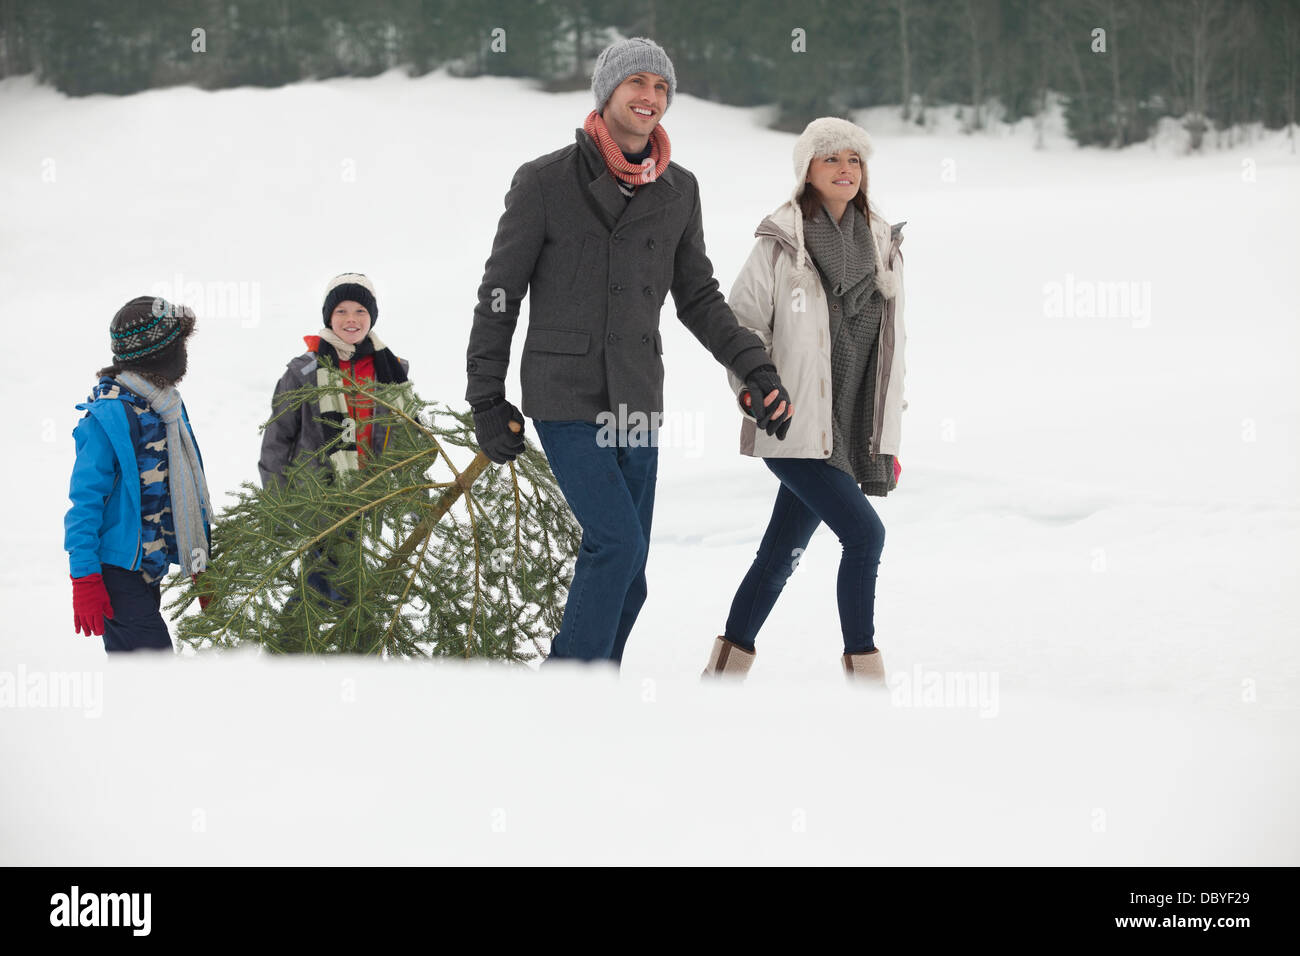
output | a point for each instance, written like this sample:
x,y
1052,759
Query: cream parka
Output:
x,y
791,315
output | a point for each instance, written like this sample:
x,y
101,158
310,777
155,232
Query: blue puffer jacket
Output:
x,y
103,526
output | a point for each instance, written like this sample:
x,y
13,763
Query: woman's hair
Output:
x,y
810,200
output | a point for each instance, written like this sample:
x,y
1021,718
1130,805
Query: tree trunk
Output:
x,y
1120,136
906,59
1205,44
976,70
1290,45
464,481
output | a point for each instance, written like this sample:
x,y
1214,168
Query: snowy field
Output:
x,y
1095,532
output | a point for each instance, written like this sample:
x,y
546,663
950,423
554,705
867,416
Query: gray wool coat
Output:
x,y
598,267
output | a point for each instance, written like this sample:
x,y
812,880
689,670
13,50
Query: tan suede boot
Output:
x,y
867,669
728,660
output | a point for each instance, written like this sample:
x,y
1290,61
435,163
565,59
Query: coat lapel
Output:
x,y
650,198
610,204
607,199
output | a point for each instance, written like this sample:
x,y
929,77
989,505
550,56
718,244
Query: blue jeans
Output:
x,y
812,492
611,491
137,623
318,582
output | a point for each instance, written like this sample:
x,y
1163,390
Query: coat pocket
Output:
x,y
562,341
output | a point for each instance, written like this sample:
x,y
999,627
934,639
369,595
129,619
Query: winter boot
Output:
x,y
728,660
867,668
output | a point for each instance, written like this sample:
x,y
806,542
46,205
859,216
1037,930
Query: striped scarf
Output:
x,y
187,487
619,167
339,425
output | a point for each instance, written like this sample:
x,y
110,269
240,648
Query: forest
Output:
x,y
1118,65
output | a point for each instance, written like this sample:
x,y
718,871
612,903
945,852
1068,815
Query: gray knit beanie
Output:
x,y
620,60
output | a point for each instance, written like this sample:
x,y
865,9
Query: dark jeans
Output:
x,y
611,491
320,582
812,492
136,624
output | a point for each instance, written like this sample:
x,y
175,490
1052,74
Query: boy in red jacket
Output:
x,y
345,352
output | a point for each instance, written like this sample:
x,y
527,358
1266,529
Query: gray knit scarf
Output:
x,y
187,487
845,252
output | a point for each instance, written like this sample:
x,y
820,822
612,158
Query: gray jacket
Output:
x,y
598,267
299,430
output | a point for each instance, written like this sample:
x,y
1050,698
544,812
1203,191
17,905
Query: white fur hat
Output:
x,y
825,136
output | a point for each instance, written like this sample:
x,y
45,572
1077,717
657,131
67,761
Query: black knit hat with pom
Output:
x,y
350,287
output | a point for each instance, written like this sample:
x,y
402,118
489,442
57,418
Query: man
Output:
x,y
599,232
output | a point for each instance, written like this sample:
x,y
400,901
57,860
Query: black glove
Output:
x,y
493,433
761,383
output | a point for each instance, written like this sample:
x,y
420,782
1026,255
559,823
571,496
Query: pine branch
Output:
x,y
377,561
461,485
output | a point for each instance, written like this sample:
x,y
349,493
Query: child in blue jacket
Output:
x,y
139,497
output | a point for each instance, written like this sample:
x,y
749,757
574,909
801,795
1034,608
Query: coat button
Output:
x,y
613,336
650,243
618,237
835,308
645,340
616,289
649,290
472,365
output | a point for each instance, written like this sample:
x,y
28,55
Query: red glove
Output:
x,y
898,470
204,599
90,604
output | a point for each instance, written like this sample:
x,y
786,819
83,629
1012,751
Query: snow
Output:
x,y
1095,532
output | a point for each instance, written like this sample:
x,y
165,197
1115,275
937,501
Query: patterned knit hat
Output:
x,y
148,329
350,287
620,60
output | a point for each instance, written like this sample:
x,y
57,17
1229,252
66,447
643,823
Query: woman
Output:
x,y
823,288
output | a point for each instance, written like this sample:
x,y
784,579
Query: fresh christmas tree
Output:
x,y
428,549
